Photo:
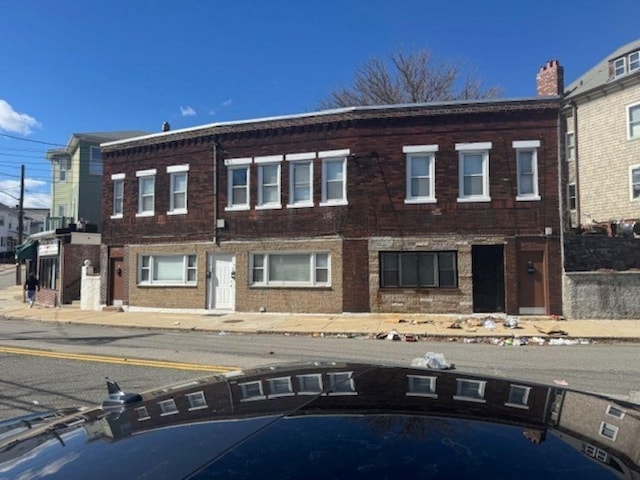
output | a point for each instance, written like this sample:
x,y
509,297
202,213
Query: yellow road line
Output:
x,y
119,360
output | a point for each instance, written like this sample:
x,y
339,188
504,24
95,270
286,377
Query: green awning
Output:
x,y
27,251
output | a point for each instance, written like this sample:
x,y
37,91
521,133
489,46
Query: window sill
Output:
x,y
236,208
145,214
164,285
177,212
334,204
116,217
315,287
469,399
427,395
517,405
409,201
275,206
528,198
300,205
474,199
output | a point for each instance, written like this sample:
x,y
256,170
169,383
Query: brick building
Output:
x,y
435,208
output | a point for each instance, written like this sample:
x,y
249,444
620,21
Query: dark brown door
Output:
x,y
116,289
531,280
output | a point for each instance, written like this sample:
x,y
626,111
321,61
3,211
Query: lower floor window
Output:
x,y
167,269
290,269
418,269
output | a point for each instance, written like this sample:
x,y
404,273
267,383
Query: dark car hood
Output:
x,y
337,421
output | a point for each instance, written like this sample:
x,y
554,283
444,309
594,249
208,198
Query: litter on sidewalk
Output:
x,y
435,361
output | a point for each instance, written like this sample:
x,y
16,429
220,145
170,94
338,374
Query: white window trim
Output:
x,y
628,122
263,162
318,376
290,393
140,174
332,382
624,67
611,408
615,429
428,151
262,396
177,168
233,164
196,395
637,54
528,146
481,389
152,283
481,148
299,159
144,410
432,381
313,267
327,159
172,210
631,169
523,406
571,134
170,402
117,178
575,189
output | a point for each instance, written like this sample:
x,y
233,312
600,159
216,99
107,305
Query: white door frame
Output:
x,y
221,284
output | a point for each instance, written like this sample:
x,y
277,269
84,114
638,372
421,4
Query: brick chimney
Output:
x,y
550,79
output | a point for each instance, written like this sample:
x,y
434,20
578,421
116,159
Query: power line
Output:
x,y
31,141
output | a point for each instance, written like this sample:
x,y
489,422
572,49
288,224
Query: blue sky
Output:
x,y
83,66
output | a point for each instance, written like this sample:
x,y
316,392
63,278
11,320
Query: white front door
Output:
x,y
221,272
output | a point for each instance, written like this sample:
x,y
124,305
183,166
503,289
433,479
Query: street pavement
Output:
x,y
491,328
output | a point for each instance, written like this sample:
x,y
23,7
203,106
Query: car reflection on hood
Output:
x,y
333,420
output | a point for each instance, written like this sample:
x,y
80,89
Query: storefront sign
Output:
x,y
48,247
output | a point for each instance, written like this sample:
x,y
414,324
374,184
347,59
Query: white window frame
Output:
x,y
331,157
232,165
144,176
414,391
633,198
279,380
262,163
633,125
245,392
615,411
296,160
619,67
570,146
420,152
197,401
525,399
263,266
480,387
302,390
95,164
64,167
147,270
634,61
479,148
346,385
176,171
168,407
143,413
605,427
118,198
527,146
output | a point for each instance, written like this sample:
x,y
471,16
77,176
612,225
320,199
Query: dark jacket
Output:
x,y
32,283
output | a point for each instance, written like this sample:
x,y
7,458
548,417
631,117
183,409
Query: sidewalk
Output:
x,y
407,327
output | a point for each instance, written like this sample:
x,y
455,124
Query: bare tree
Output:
x,y
409,78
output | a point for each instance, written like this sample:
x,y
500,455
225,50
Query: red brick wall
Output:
x,y
73,257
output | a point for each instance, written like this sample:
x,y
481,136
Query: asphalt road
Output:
x,y
41,366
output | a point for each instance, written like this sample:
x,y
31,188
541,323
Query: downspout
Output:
x,y
574,111
215,193
561,201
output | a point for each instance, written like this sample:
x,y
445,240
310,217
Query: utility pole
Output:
x,y
20,225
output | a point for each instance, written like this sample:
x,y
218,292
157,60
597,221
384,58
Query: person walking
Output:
x,y
31,285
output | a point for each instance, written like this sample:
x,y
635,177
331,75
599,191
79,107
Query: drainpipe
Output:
x,y
574,111
215,192
561,202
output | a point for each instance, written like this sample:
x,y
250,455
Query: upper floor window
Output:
x,y
527,167
634,120
167,269
290,269
341,383
420,184
570,146
64,165
118,195
418,269
473,165
269,181
518,396
1,221
634,182
146,192
178,175
470,390
237,183
334,177
300,179
626,64
422,386
95,161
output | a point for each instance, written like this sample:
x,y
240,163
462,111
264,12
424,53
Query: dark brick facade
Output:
x,y
376,183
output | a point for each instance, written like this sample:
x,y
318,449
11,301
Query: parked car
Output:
x,y
331,420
